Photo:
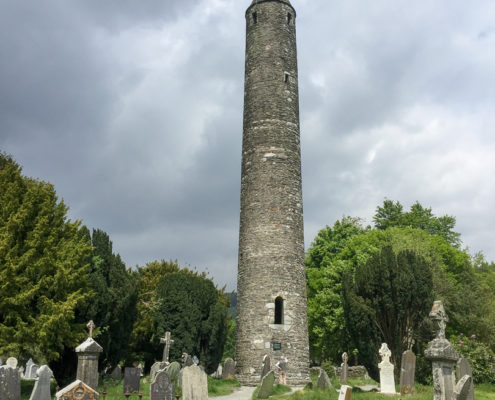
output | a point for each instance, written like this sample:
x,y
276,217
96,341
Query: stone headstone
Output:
x,y
41,389
132,378
461,390
266,385
77,390
218,372
21,372
116,373
186,360
11,362
88,353
194,384
345,392
10,383
162,387
33,371
27,370
1,361
173,371
141,369
407,372
228,369
344,372
157,366
463,369
266,366
323,380
195,360
387,380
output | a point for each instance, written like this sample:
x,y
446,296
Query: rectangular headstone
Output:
x,y
41,389
116,373
132,378
407,372
464,368
162,387
10,383
266,385
194,383
77,390
228,369
345,392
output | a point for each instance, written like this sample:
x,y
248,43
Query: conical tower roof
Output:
x,y
282,1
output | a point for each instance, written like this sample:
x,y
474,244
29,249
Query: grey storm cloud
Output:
x,y
133,110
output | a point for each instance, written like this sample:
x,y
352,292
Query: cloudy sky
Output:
x,y
133,110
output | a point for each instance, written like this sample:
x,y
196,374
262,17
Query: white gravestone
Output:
x,y
387,380
41,389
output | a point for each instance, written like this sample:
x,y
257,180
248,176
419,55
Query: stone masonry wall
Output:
x,y
271,241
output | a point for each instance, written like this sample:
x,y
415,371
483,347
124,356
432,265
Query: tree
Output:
x,y
43,276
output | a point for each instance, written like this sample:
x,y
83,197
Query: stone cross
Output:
x,y
439,315
90,326
167,341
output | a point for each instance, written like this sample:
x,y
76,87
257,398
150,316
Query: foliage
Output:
x,y
43,276
113,308
229,348
479,356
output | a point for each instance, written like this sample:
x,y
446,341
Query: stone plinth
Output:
x,y
444,358
87,362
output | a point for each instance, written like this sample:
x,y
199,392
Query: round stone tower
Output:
x,y
271,284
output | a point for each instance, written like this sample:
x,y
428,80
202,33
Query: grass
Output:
x,y
278,391
221,387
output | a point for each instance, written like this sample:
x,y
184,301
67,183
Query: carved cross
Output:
x,y
167,341
90,326
439,315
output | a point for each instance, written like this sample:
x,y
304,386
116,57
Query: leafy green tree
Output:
x,y
43,276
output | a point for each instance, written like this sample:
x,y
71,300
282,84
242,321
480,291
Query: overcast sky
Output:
x,y
133,110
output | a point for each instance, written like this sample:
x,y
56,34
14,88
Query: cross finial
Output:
x,y
167,341
439,315
90,326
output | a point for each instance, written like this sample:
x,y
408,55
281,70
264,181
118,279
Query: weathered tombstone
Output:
x,y
407,372
162,387
387,380
186,360
344,372
266,385
444,357
266,366
116,373
463,369
194,384
345,392
77,390
27,370
132,378
157,366
228,369
88,353
218,372
195,360
173,370
41,389
33,371
10,382
323,380
21,372
11,362
141,369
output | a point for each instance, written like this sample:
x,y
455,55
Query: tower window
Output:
x,y
279,311
286,77
255,17
289,18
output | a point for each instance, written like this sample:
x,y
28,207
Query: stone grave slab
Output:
x,y
116,373
266,366
77,390
132,379
228,369
323,380
41,390
10,383
345,392
162,387
266,385
407,372
464,368
194,384
344,372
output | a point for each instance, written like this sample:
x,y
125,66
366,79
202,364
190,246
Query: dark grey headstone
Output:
x,y
464,368
228,369
266,366
116,373
162,387
407,371
41,389
10,383
132,377
266,385
323,380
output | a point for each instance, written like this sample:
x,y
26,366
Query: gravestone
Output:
x,y
162,387
27,370
195,360
116,373
387,380
266,385
10,382
266,366
344,372
167,341
407,372
11,362
41,389
77,390
21,372
463,369
1,361
33,371
173,370
141,369
228,369
157,366
132,378
186,360
194,384
218,372
323,380
345,392
88,353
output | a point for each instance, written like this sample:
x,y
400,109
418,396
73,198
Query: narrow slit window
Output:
x,y
286,78
255,18
279,311
289,18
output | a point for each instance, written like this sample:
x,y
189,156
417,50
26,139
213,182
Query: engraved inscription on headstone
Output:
x,y
132,377
407,372
162,387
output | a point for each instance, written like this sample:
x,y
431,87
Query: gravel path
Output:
x,y
245,393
